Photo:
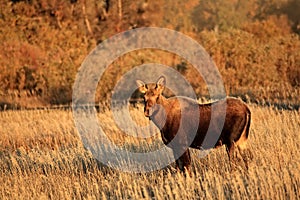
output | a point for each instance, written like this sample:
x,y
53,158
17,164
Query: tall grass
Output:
x,y
41,157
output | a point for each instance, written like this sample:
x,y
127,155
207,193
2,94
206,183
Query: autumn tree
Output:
x,y
220,14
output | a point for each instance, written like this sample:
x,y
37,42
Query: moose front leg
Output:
x,y
184,161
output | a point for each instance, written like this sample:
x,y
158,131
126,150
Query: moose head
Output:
x,y
152,95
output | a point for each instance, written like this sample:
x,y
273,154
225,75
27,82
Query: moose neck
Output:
x,y
160,116
162,100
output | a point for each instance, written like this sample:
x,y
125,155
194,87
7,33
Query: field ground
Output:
x,y
41,157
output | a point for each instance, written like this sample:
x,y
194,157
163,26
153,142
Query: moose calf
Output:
x,y
185,123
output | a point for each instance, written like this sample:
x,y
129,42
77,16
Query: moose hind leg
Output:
x,y
230,148
238,155
246,155
230,151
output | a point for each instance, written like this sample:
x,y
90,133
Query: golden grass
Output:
x,y
41,157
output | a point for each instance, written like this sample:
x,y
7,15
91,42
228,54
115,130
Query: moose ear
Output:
x,y
160,84
142,86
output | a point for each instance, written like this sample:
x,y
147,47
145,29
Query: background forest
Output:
x,y
254,43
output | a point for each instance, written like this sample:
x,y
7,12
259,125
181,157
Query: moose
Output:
x,y
180,134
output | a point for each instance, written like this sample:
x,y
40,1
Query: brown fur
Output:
x,y
167,113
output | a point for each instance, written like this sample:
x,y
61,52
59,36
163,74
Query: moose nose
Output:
x,y
146,112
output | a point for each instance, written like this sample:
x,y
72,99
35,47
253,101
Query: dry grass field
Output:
x,y
255,44
42,157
